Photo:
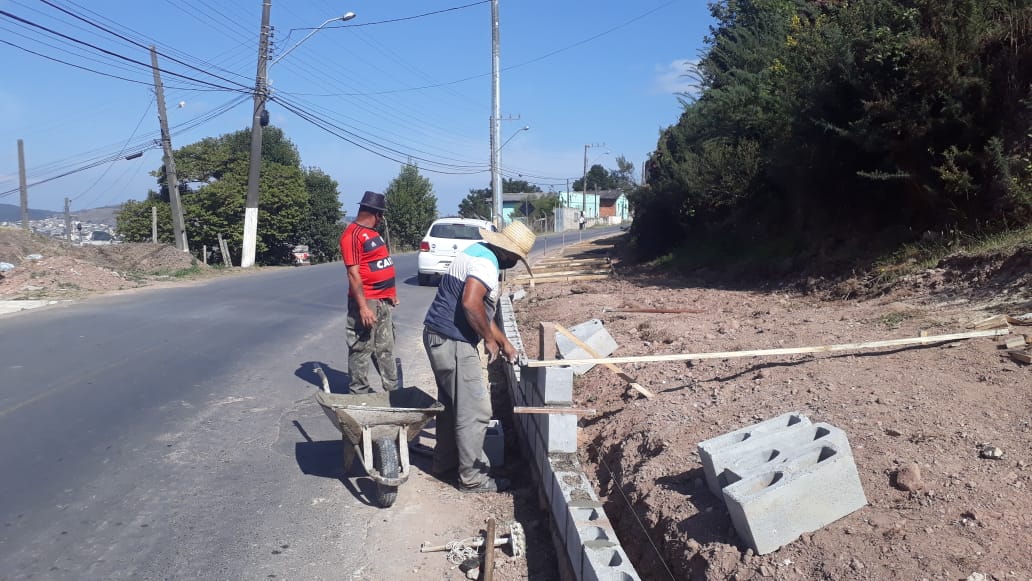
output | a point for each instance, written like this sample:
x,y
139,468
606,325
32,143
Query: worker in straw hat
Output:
x,y
459,318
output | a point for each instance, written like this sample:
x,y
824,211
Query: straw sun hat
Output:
x,y
515,238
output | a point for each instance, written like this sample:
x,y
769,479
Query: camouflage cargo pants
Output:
x,y
371,347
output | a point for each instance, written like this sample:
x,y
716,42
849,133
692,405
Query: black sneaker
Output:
x,y
489,485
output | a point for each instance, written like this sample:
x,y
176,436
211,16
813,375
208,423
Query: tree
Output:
x,y
599,178
411,208
215,169
321,229
477,205
623,177
134,220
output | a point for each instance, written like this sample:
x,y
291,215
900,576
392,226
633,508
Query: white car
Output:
x,y
446,238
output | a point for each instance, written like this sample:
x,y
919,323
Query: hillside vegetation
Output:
x,y
828,132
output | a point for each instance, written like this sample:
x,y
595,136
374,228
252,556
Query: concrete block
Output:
x,y
723,446
560,432
494,444
553,385
814,488
765,450
580,515
595,335
606,562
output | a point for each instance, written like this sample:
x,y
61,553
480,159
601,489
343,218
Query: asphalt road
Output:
x,y
171,433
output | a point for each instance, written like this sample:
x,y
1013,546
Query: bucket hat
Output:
x,y
374,201
515,238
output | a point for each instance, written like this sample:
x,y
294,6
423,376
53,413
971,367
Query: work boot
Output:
x,y
489,485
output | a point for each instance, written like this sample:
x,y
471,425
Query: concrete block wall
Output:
x,y
584,533
782,478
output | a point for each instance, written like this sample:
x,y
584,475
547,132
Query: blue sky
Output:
x,y
404,79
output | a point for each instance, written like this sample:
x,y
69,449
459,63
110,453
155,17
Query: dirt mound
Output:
x,y
934,406
46,267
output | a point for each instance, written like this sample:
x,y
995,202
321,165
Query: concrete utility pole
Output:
x,y
22,186
255,164
154,224
171,181
68,220
496,121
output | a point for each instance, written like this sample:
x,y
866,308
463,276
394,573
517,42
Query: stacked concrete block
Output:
x,y
554,386
782,478
591,546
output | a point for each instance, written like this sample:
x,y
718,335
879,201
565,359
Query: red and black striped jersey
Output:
x,y
364,247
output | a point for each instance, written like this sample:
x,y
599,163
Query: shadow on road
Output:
x,y
326,460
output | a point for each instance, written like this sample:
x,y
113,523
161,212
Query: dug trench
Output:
x,y
930,409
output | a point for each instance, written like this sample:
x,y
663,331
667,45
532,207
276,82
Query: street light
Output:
x,y
524,128
259,119
347,16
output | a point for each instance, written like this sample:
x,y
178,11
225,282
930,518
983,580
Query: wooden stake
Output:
x,y
489,550
553,410
769,352
619,372
544,279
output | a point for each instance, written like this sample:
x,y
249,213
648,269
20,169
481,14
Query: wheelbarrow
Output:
x,y
377,428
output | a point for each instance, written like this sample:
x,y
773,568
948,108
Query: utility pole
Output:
x,y
255,164
154,224
22,186
496,121
68,220
171,181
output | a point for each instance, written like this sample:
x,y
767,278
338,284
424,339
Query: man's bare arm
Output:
x,y
355,282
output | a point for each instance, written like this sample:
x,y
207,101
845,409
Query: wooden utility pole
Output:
x,y
68,220
171,182
24,187
250,240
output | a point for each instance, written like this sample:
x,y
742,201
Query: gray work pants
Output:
x,y
462,425
371,347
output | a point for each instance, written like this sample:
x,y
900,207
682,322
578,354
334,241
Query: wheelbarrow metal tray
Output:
x,y
381,412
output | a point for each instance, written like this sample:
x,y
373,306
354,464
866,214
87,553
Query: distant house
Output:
x,y
613,206
524,202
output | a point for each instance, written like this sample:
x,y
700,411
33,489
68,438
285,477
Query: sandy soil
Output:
x,y
933,408
48,268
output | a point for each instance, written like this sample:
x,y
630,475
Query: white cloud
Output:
x,y
676,77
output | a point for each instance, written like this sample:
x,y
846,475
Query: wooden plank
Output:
x,y
993,322
553,410
619,372
546,341
545,279
1022,320
772,352
1021,356
1015,342
560,273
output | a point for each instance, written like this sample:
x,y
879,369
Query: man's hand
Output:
x,y
509,352
492,349
367,315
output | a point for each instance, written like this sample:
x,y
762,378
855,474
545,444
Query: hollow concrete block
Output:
x,y
606,562
715,451
773,507
595,335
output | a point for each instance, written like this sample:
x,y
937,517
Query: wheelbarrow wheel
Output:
x,y
386,463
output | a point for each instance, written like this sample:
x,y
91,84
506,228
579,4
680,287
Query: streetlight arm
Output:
x,y
344,18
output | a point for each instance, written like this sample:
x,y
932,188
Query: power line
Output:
x,y
137,44
108,168
111,53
